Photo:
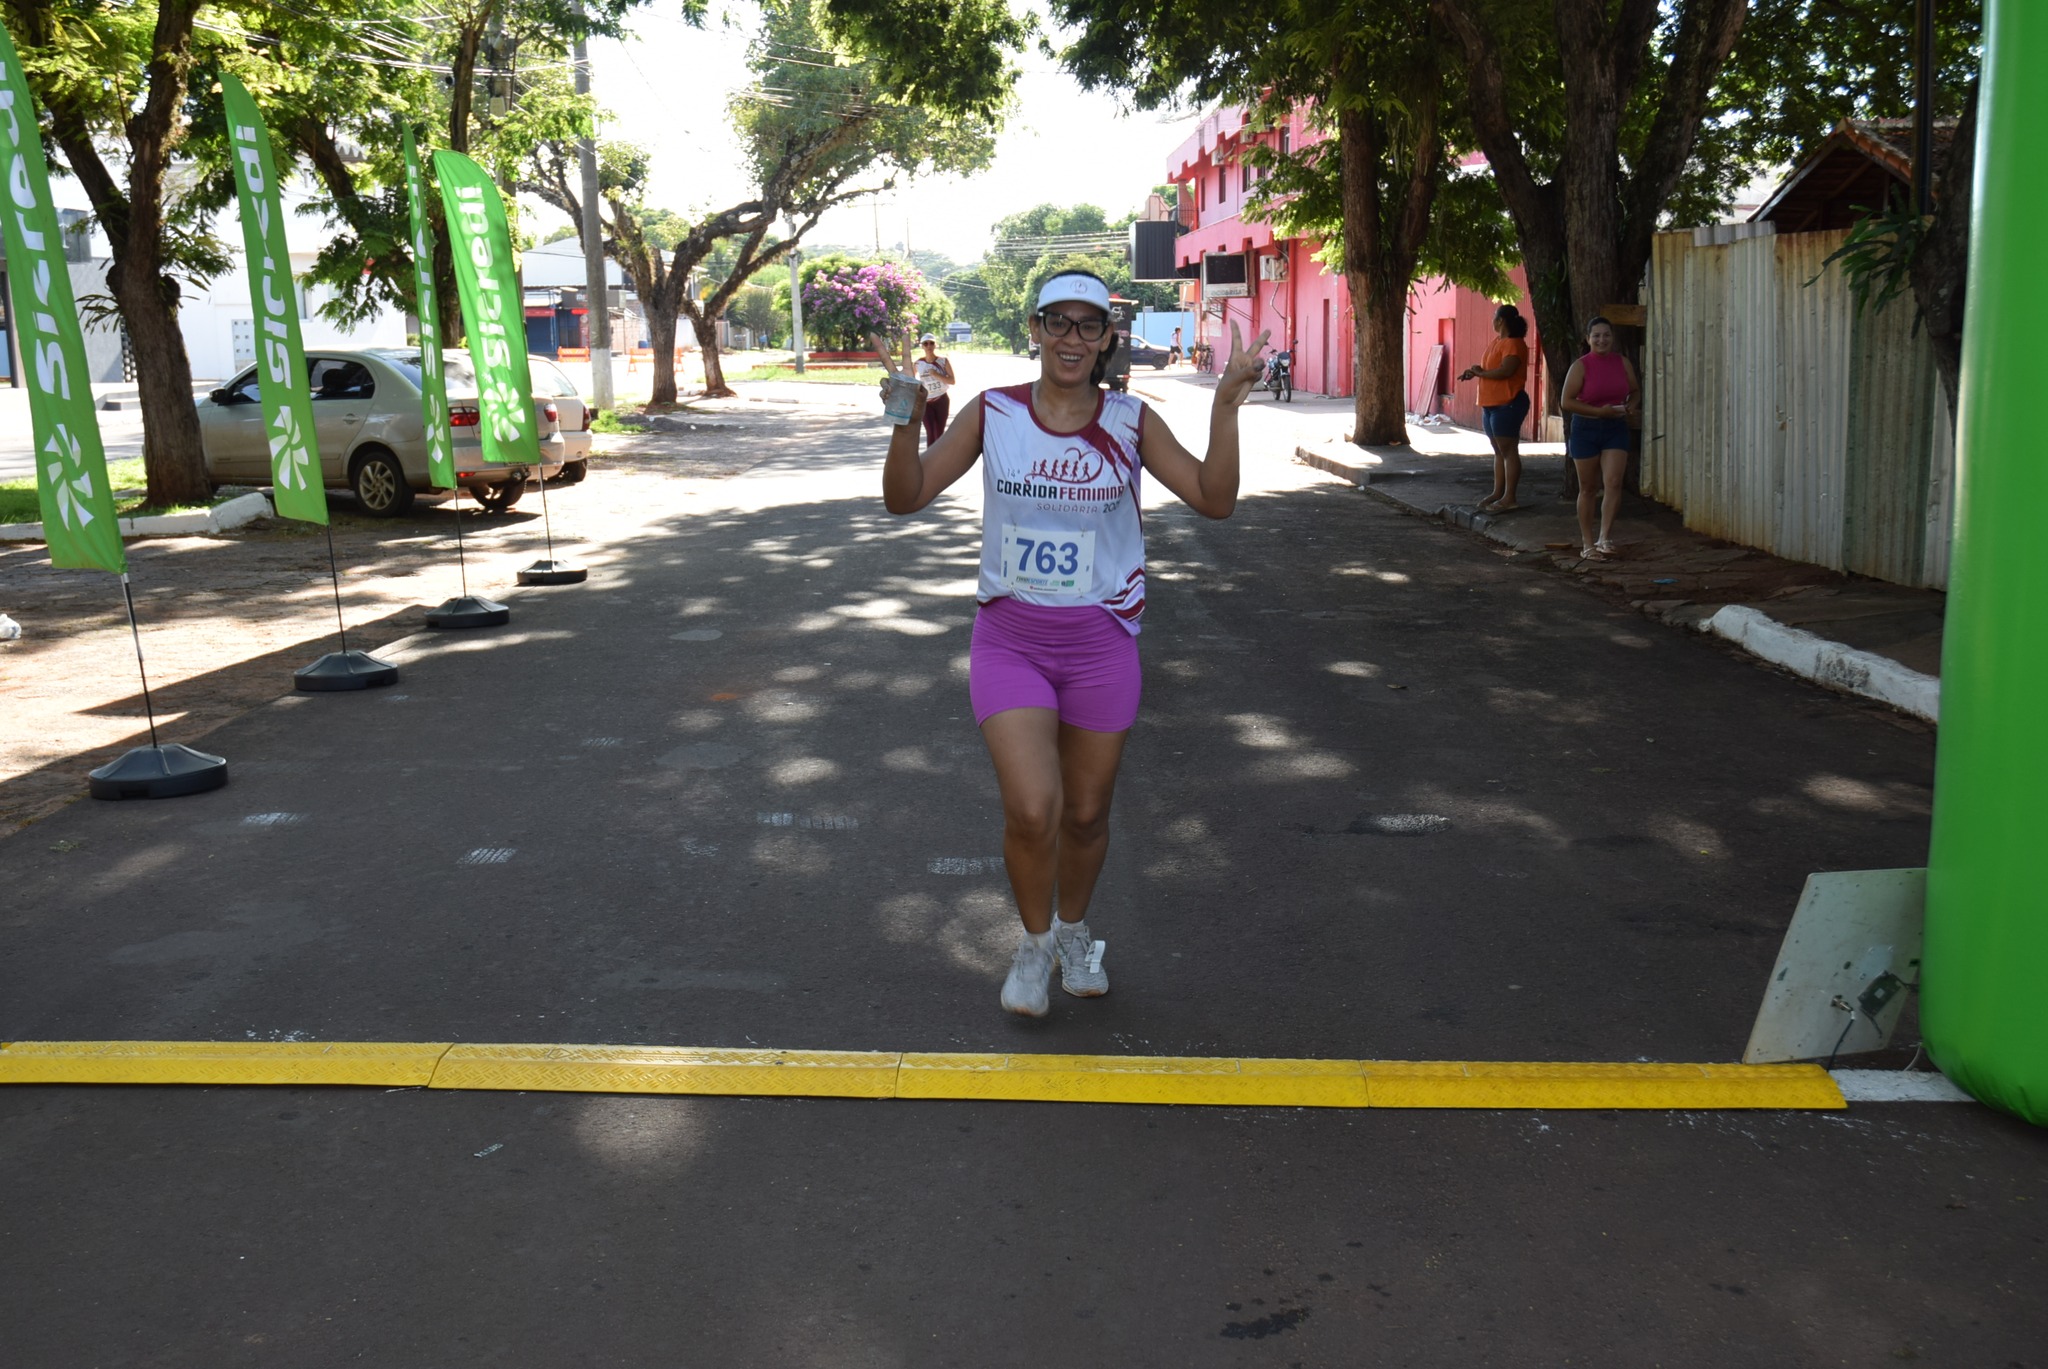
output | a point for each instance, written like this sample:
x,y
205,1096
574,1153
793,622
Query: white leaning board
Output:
x,y
1852,929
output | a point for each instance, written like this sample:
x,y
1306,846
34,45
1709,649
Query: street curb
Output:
x,y
1838,667
232,513
1364,469
1830,664
1168,1080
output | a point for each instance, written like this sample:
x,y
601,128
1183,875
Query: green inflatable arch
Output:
x,y
1984,999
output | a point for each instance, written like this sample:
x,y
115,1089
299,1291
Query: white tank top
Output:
x,y
1060,524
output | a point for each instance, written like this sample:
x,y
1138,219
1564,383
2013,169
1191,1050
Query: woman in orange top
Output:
x,y
1503,403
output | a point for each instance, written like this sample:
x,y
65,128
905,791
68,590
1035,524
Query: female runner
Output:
x,y
1053,671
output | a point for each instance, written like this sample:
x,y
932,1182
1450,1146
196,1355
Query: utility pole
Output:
x,y
1923,107
597,295
796,302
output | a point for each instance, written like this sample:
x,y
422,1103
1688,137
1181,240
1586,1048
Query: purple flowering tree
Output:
x,y
845,300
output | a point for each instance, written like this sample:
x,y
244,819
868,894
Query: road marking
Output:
x,y
604,741
1408,822
1898,1086
807,823
1168,1080
697,634
272,819
965,865
488,855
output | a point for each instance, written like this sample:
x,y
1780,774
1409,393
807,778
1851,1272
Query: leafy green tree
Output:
x,y
117,82
1380,83
753,308
822,115
1589,113
995,295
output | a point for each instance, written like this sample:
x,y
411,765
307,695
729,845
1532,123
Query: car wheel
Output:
x,y
499,497
380,485
573,472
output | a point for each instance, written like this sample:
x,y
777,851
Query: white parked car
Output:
x,y
577,415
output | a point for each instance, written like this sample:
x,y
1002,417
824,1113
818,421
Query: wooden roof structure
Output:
x,y
1856,169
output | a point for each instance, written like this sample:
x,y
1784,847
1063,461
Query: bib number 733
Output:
x,y
1058,563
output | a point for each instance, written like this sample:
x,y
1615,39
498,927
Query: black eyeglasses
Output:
x,y
1059,325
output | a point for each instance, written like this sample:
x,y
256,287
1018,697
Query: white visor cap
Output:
x,y
1077,288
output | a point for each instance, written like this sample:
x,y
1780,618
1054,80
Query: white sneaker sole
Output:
x,y
1025,1009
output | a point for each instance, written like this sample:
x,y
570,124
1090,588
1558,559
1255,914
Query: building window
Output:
x,y
1286,141
1222,184
1244,176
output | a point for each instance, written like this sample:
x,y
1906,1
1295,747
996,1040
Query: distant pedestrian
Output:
x,y
937,375
1600,393
1173,352
1504,403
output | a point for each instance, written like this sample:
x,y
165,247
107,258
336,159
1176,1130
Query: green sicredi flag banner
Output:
x,y
71,465
280,356
427,305
493,315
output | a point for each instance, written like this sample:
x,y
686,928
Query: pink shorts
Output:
x,y
1079,662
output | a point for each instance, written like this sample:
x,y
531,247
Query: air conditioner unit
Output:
x,y
1272,268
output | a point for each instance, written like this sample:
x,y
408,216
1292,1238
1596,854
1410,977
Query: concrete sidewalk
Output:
x,y
1848,632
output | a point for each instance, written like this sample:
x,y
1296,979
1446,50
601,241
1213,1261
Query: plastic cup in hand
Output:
x,y
899,401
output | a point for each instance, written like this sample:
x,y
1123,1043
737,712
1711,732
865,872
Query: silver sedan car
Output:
x,y
372,440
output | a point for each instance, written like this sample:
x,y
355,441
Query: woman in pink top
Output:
x,y
1600,393
1053,666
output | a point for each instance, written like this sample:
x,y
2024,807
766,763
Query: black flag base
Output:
x,y
470,610
339,670
159,772
553,573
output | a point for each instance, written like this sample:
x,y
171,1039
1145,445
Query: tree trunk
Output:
x,y
706,328
1378,415
661,328
1380,410
1941,268
172,454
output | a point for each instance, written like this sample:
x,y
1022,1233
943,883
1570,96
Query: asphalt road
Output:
x,y
1390,796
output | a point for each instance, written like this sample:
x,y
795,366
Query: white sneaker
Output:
x,y
1081,972
1025,991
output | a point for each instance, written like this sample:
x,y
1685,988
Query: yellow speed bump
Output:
x,y
1135,1079
670,1069
1215,1081
393,1064
1507,1084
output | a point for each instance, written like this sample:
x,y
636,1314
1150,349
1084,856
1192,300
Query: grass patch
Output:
x,y
612,421
835,375
18,502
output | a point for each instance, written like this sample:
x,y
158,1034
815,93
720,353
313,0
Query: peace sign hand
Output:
x,y
1243,369
898,376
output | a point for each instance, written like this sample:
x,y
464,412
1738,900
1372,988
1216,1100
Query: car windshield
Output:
x,y
454,365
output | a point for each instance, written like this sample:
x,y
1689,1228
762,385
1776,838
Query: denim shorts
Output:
x,y
1592,436
1505,420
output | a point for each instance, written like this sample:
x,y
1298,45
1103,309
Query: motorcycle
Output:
x,y
1279,376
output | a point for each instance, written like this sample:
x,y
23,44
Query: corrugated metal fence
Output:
x,y
1778,416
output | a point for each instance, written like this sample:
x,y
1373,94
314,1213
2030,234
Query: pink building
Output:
x,y
1245,275
1460,321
